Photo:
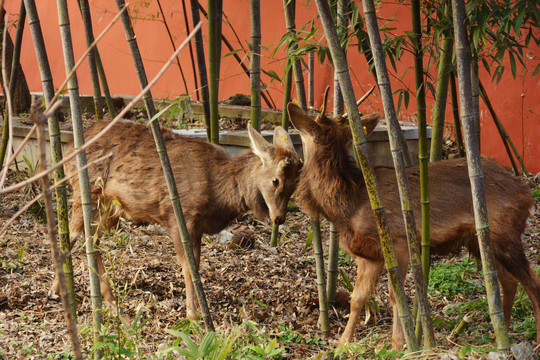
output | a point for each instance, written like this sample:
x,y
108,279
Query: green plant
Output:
x,y
244,342
11,266
63,355
119,339
21,251
450,280
536,194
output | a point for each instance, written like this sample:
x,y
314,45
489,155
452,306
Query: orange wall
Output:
x,y
517,102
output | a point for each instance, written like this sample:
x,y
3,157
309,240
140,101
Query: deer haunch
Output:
x,y
214,187
332,186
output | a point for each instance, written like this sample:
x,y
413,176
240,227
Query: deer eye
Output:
x,y
275,181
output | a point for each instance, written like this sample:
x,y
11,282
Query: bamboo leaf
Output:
x,y
272,74
235,51
512,63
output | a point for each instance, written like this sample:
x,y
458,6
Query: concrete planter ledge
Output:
x,y
233,141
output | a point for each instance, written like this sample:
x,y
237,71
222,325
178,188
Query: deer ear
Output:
x,y
302,122
259,145
369,122
283,139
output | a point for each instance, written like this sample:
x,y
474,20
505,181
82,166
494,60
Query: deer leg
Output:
x,y
509,286
192,303
531,285
398,339
106,290
512,268
367,278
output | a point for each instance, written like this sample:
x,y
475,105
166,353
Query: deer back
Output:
x,y
213,186
332,185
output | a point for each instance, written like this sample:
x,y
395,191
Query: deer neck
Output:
x,y
330,186
239,192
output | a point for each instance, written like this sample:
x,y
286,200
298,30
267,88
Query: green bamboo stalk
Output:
x,y
86,196
502,131
333,249
475,93
399,163
172,43
289,8
311,79
455,114
255,64
265,94
94,76
214,59
476,176
201,64
368,54
439,110
167,169
360,146
104,84
423,159
287,89
56,148
37,117
321,283
194,69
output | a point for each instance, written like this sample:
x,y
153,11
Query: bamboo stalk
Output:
x,y
104,85
56,147
165,163
289,7
423,156
475,93
15,67
360,146
333,249
214,59
265,94
255,64
455,114
186,22
287,89
99,66
201,64
311,79
443,76
40,120
399,164
502,132
476,176
94,76
86,196
172,44
321,277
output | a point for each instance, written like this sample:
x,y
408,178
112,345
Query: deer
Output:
x,y
214,187
333,187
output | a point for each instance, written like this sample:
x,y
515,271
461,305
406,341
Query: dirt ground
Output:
x,y
269,286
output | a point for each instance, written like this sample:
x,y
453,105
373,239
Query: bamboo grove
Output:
x,y
456,37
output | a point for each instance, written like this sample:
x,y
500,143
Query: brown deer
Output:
x,y
332,186
214,187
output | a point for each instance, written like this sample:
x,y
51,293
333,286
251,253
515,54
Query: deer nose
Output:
x,y
279,220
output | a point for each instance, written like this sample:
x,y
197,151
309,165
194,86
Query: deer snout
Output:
x,y
279,220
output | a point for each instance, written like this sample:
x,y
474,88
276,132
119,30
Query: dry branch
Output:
x,y
89,143
37,117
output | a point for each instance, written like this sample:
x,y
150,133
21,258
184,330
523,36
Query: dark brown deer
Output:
x,y
332,186
214,187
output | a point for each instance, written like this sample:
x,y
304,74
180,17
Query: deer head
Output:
x,y
277,177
